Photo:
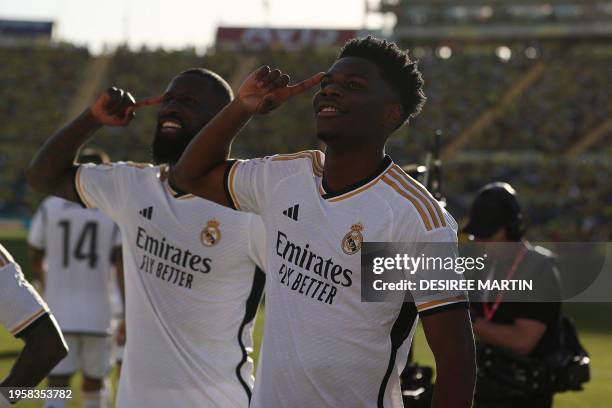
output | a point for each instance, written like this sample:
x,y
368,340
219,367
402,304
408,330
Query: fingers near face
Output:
x,y
114,97
269,79
156,100
312,81
125,109
261,73
305,84
280,82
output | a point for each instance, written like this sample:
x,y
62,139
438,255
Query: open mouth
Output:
x,y
328,111
170,126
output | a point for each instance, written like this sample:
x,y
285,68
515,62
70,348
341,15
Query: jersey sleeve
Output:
x,y
257,242
20,304
102,185
433,244
36,235
250,184
245,184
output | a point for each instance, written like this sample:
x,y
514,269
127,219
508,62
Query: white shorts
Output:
x,y
88,353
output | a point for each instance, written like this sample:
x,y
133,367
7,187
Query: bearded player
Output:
x,y
322,345
191,284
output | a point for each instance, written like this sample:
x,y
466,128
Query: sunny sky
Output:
x,y
180,23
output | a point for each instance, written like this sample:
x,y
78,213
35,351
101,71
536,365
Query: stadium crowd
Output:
x,y
564,198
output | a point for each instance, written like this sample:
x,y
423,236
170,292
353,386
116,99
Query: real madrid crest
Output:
x,y
351,243
211,234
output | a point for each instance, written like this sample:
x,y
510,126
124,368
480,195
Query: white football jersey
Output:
x,y
191,285
78,244
323,346
20,304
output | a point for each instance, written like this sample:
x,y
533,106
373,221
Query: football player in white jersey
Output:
x,y
191,283
79,247
322,345
27,316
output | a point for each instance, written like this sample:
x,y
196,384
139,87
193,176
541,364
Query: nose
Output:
x,y
169,107
331,90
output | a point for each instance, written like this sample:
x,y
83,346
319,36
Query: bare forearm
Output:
x,y
454,386
43,350
55,159
210,147
449,335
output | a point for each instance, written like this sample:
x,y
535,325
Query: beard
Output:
x,y
168,149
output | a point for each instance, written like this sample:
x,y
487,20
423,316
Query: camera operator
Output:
x,y
519,331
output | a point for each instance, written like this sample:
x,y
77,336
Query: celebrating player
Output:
x,y
192,288
27,316
79,246
322,345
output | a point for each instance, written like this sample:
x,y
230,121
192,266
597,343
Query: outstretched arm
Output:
x,y
44,348
449,334
52,170
202,166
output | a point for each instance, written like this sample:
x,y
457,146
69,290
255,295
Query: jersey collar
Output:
x,y
174,192
358,187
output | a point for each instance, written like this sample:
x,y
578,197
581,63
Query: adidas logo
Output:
x,y
292,212
146,212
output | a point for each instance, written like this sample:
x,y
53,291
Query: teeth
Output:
x,y
329,109
170,124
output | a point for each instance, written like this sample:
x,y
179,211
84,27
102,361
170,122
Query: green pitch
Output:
x,y
597,393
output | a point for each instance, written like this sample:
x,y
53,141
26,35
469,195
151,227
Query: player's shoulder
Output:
x,y
311,160
51,204
123,170
140,170
120,165
136,165
411,202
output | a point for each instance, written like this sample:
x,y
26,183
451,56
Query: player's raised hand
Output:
x,y
116,107
265,89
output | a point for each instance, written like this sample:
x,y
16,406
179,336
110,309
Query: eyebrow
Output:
x,y
350,76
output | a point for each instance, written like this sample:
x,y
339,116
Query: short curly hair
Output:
x,y
220,85
396,67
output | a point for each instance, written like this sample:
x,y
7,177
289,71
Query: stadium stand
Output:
x,y
571,97
37,83
523,143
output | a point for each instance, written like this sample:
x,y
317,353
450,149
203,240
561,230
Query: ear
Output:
x,y
394,116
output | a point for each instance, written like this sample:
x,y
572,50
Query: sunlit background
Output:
x,y
518,91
